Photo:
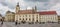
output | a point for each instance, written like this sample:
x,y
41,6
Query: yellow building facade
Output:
x,y
10,16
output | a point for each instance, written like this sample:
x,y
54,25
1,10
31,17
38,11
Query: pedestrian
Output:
x,y
16,22
1,21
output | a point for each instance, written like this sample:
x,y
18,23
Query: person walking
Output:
x,y
1,21
16,22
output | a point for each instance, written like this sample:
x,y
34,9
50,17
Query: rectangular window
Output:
x,y
36,17
23,18
20,19
26,15
29,19
32,19
26,18
20,16
23,15
29,15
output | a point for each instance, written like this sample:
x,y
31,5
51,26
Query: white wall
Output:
x,y
45,18
31,16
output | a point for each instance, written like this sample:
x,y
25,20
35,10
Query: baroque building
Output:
x,y
10,16
49,16
34,16
26,15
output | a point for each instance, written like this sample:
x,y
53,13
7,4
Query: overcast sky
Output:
x,y
42,5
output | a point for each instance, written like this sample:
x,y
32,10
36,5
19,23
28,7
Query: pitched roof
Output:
x,y
47,13
8,12
25,12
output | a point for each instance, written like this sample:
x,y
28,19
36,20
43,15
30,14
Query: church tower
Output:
x,y
17,7
35,9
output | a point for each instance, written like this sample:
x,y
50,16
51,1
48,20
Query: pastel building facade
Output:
x,y
48,16
34,16
26,15
10,16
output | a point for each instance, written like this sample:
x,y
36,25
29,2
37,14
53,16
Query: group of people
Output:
x,y
16,22
3,21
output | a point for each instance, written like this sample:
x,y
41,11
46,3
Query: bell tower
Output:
x,y
17,7
35,9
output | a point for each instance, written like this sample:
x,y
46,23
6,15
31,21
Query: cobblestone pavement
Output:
x,y
12,24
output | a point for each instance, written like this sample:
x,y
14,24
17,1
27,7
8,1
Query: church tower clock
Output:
x,y
17,7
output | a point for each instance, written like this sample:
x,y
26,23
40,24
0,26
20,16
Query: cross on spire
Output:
x,y
35,8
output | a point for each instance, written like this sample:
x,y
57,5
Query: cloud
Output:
x,y
36,0
10,3
56,8
3,9
41,4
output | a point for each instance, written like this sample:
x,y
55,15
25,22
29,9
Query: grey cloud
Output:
x,y
10,5
4,4
46,4
41,5
36,0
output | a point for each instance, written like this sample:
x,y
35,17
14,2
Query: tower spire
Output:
x,y
17,7
18,4
35,8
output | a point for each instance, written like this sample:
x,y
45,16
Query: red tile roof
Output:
x,y
41,13
47,13
25,12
